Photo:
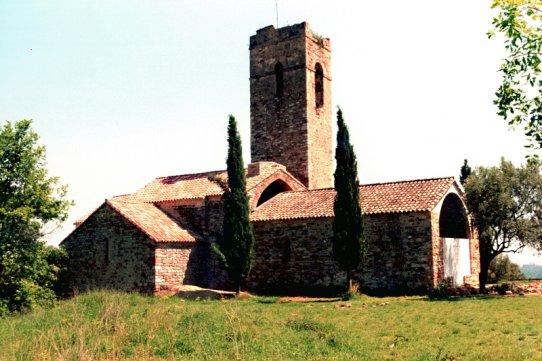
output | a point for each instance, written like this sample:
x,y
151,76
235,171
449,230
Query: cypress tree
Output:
x,y
465,172
349,243
235,249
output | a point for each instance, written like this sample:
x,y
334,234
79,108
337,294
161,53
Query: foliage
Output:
x,y
465,172
506,203
235,249
519,97
439,292
349,242
117,326
501,268
28,200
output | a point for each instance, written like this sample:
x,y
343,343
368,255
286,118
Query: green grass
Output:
x,y
112,326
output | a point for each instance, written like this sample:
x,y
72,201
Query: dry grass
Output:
x,y
113,326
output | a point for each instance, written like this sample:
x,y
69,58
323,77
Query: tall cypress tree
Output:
x,y
235,249
349,243
465,172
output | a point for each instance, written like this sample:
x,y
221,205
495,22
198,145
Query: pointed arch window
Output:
x,y
279,80
319,85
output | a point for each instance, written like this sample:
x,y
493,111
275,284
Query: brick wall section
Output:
x,y
474,278
320,134
107,251
437,250
186,264
297,254
288,129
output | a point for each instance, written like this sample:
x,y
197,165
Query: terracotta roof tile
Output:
x,y
191,186
151,220
395,197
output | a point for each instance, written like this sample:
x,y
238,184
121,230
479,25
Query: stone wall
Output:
x,y
400,258
187,264
287,128
296,255
107,251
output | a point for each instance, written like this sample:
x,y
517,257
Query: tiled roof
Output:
x,y
151,220
395,197
192,186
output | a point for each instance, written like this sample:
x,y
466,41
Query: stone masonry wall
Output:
x,y
399,258
287,128
319,119
292,255
107,251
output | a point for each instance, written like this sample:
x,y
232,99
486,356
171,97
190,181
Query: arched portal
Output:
x,y
453,221
454,235
272,190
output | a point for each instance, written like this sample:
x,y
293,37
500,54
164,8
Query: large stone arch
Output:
x,y
277,183
455,234
453,219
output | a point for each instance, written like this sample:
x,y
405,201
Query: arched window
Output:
x,y
319,85
272,190
279,80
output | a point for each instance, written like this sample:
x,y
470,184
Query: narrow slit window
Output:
x,y
279,80
319,85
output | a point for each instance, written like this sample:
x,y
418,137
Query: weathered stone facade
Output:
x,y
295,255
158,238
107,251
290,102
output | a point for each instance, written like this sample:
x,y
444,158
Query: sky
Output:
x,y
124,91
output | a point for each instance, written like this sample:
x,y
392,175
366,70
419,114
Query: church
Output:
x,y
158,238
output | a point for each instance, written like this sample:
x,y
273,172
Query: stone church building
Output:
x,y
158,238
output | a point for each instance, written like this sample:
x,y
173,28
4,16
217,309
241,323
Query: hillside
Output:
x,y
107,326
532,271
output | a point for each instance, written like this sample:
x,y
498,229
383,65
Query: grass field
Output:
x,y
111,326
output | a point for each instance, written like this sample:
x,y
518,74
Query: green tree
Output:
x,y
519,96
349,242
235,248
465,172
28,200
506,205
502,268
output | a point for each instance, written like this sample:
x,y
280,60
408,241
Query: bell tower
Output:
x,y
290,102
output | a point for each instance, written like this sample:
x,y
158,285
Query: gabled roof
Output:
x,y
395,197
151,220
198,185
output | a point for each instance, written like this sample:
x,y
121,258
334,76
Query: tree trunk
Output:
x,y
237,290
349,280
484,268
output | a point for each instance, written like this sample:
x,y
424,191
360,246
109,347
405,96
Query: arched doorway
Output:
x,y
454,235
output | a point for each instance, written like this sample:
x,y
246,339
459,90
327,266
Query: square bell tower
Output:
x,y
290,102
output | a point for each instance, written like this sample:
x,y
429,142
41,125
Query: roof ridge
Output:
x,y
409,181
192,174
375,184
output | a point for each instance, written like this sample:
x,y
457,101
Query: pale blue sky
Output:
x,y
125,91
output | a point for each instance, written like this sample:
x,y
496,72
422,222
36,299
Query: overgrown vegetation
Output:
x,y
29,199
113,326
